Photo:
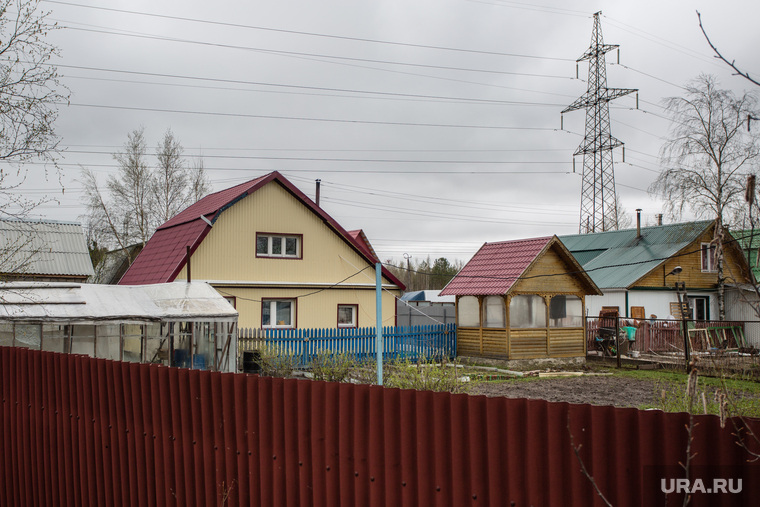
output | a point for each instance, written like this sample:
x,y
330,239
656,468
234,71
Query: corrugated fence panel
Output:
x,y
80,431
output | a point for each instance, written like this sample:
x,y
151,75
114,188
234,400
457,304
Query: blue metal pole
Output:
x,y
379,313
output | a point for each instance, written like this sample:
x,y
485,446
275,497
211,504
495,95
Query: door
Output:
x,y
699,307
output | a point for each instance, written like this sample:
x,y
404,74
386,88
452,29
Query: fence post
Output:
x,y
379,320
617,339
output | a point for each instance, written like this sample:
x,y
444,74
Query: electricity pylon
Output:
x,y
598,197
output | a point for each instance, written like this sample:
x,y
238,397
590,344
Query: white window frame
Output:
x,y
354,315
710,263
272,239
273,312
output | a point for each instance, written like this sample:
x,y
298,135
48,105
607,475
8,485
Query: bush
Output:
x,y
332,367
426,375
276,362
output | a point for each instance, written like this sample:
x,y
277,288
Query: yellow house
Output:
x,y
280,259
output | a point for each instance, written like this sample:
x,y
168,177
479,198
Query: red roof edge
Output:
x,y
330,221
364,249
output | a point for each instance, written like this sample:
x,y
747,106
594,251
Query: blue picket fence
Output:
x,y
413,343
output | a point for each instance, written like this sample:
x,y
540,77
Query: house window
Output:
x,y
278,245
494,312
527,311
347,315
231,300
708,258
566,311
278,313
468,311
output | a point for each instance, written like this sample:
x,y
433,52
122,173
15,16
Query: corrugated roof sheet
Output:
x,y
164,255
617,259
21,301
44,247
495,267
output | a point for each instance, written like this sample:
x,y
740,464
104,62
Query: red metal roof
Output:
x,y
164,255
361,239
495,267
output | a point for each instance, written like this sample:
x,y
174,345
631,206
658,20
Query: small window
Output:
x,y
708,258
527,311
347,315
278,313
468,311
231,300
278,245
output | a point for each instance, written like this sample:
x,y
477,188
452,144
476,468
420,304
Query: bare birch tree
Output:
x,y
170,179
139,199
30,93
707,159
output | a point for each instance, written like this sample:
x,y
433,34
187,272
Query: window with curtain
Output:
x,y
566,311
527,311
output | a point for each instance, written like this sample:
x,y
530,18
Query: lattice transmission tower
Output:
x,y
598,197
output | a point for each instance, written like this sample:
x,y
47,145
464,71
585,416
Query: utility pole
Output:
x,y
598,197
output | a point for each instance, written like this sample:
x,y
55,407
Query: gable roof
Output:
x,y
496,267
44,247
618,259
164,255
749,242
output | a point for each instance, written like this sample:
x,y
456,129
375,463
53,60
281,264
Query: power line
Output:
x,y
301,87
304,118
311,34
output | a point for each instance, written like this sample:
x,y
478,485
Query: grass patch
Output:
x,y
725,397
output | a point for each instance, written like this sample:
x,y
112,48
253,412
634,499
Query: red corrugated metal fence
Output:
x,y
81,431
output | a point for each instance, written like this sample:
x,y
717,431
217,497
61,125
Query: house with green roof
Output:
x,y
634,268
749,242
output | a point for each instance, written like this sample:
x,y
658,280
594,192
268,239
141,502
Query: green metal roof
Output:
x,y
749,241
617,259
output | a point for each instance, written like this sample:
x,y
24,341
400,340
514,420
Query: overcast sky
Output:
x,y
434,125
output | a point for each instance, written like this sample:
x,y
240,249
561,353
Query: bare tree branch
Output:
x,y
732,63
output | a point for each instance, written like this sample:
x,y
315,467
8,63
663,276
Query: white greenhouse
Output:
x,y
181,324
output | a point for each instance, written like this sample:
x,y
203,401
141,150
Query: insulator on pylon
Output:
x,y
562,122
618,52
577,76
624,154
573,164
637,100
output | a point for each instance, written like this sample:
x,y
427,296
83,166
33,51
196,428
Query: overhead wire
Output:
x,y
311,34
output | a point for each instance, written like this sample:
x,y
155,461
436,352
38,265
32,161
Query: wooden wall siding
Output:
x,y
528,343
549,264
229,250
495,342
76,431
318,310
566,342
468,342
692,268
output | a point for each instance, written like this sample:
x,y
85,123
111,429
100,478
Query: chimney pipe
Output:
x,y
187,258
319,184
638,223
659,218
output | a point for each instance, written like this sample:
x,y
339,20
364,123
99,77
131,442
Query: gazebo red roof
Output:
x,y
496,267
164,255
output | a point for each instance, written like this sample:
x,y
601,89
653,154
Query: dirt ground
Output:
x,y
596,390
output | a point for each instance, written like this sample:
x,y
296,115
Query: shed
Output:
x,y
43,250
541,284
174,324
